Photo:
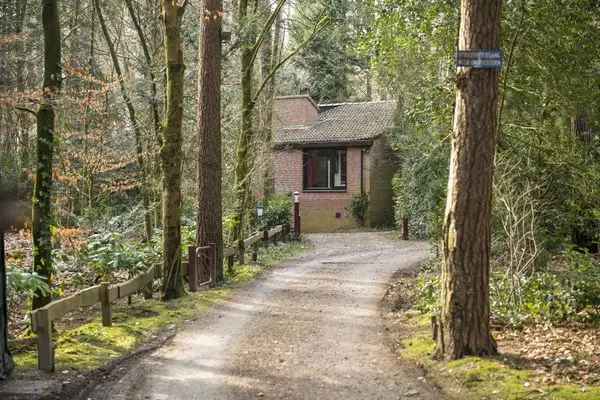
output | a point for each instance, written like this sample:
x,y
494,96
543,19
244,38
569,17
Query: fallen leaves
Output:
x,y
569,354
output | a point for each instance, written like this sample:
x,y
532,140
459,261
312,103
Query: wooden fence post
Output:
x,y
106,306
213,264
43,329
266,237
405,235
230,262
149,290
255,252
192,269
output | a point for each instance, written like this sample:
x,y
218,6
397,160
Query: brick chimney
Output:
x,y
291,111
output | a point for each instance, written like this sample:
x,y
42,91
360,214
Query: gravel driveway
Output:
x,y
310,329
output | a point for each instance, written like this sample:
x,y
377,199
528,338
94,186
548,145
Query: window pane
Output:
x,y
340,169
316,171
324,169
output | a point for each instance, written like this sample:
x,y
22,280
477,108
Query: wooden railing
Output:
x,y
105,294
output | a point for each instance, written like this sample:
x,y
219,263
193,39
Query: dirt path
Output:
x,y
308,330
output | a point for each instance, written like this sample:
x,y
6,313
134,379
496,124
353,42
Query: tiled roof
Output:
x,y
345,123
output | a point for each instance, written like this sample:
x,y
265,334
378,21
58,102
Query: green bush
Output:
x,y
277,211
584,279
108,253
568,293
21,282
359,207
428,293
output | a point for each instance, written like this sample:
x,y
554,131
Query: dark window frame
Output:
x,y
334,155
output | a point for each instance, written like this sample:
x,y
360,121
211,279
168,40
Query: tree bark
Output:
x,y
464,328
210,213
42,190
132,119
250,46
171,152
242,168
269,59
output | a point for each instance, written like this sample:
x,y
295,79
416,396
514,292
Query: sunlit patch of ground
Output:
x,y
536,363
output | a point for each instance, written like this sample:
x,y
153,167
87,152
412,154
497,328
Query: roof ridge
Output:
x,y
355,102
291,127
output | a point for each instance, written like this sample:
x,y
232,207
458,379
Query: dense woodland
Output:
x,y
136,128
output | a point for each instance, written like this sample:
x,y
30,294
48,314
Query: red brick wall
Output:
x,y
294,111
318,209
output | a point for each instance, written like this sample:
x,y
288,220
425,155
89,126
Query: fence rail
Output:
x,y
195,269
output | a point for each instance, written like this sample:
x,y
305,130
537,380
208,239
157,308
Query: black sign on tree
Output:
x,y
480,59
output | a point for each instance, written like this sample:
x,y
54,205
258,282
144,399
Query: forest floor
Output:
x,y
535,362
309,329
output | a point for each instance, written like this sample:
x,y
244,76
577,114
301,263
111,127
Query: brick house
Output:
x,y
331,153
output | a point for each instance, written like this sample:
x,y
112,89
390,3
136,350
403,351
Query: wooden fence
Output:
x,y
106,294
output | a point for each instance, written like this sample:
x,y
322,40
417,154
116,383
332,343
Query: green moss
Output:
x,y
267,257
91,345
474,378
418,347
272,255
245,273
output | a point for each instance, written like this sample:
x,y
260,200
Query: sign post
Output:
x,y
297,230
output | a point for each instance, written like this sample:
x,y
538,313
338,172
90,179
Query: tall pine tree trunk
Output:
x,y
210,213
171,152
464,325
42,240
145,190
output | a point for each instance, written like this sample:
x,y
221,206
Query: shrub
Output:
x,y
540,297
359,207
277,211
428,293
566,294
21,282
584,278
109,253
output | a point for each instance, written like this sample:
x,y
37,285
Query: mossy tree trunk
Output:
x,y
145,189
42,190
171,152
242,168
269,60
464,326
210,213
251,44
